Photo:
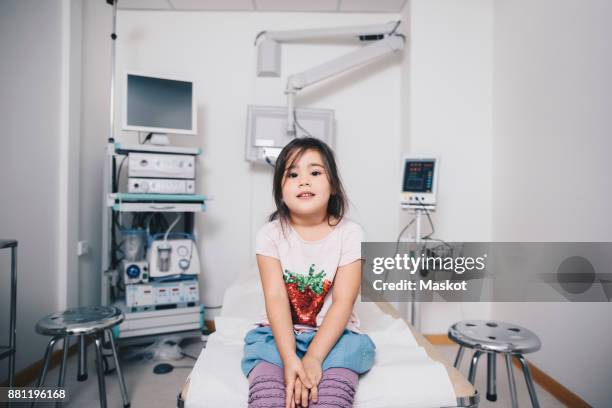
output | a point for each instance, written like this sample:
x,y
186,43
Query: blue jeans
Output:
x,y
352,350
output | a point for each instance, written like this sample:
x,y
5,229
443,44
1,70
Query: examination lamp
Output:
x,y
384,40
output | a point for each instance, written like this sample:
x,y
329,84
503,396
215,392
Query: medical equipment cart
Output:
x,y
181,318
171,319
10,350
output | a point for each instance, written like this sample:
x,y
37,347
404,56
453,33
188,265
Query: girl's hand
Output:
x,y
294,370
312,367
301,394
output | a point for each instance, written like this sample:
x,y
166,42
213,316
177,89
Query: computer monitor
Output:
x,y
160,105
419,183
267,130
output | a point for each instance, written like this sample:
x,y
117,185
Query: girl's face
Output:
x,y
306,189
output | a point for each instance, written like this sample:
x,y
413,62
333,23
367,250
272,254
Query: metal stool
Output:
x,y
492,337
81,322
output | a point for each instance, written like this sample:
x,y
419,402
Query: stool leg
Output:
x,y
529,381
473,366
491,376
47,361
82,372
508,357
459,357
124,394
62,373
99,366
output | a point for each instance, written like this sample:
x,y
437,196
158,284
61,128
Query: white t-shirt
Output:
x,y
309,267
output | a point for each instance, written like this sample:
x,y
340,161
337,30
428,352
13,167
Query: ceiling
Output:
x,y
341,6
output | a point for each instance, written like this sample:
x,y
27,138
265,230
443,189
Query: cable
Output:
x,y
188,355
191,253
165,368
424,238
296,122
397,24
430,222
146,139
429,236
258,36
399,237
449,246
117,222
119,173
115,247
157,223
175,277
178,217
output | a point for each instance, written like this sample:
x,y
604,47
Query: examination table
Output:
x,y
408,371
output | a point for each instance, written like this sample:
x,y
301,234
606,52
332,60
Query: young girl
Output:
x,y
309,351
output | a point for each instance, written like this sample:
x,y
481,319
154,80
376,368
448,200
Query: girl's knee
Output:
x,y
336,389
266,386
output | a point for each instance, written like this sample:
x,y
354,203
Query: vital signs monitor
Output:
x,y
419,183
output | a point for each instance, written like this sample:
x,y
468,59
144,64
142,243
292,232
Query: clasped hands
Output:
x,y
302,378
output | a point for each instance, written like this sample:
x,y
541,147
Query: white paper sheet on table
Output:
x,y
403,374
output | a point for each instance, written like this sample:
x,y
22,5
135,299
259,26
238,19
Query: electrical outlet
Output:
x,y
82,248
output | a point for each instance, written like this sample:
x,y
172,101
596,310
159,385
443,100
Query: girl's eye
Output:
x,y
316,173
291,175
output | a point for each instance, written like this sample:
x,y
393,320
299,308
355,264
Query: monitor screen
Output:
x,y
159,105
418,176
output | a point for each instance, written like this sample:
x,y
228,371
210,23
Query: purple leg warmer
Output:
x,y
267,387
336,389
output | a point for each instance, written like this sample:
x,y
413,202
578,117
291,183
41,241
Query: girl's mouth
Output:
x,y
305,195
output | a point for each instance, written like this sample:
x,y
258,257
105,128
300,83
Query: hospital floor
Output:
x,y
147,389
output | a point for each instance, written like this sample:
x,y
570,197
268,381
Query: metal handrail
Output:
x,y
11,350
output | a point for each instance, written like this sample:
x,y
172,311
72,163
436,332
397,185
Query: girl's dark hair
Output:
x,y
294,150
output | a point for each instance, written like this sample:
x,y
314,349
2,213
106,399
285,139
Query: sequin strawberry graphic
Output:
x,y
306,294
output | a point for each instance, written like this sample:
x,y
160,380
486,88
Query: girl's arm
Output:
x,y
344,293
279,315
277,305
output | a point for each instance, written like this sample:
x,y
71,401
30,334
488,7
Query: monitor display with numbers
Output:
x,y
419,182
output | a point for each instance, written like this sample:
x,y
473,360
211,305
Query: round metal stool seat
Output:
x,y
500,337
78,321
94,322
493,337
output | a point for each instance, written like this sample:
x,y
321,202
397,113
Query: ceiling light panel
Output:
x,y
213,5
296,5
143,5
383,6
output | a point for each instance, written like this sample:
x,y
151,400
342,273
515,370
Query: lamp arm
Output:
x,y
331,33
346,62
337,66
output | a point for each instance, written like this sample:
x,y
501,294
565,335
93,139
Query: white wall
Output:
x,y
36,160
95,130
216,49
552,104
448,77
